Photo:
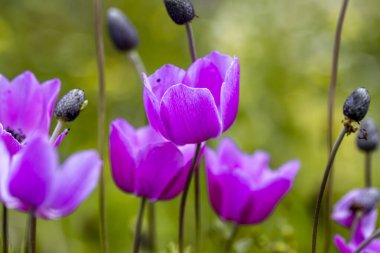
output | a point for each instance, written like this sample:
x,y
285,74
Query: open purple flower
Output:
x,y
195,105
32,180
26,108
359,200
242,188
350,247
145,164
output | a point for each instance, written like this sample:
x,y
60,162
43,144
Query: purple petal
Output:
x,y
60,137
229,101
189,115
222,62
147,135
121,155
158,164
73,183
341,245
165,77
32,172
152,107
11,143
257,165
204,74
229,154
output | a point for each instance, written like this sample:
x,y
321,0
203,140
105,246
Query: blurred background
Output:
x,y
285,51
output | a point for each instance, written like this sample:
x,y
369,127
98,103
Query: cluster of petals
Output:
x,y
147,165
26,108
192,106
242,188
33,181
345,211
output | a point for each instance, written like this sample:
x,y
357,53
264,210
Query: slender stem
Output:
x,y
101,119
368,241
152,226
190,38
355,223
136,243
32,232
5,229
183,201
231,238
332,88
368,174
56,131
137,62
323,186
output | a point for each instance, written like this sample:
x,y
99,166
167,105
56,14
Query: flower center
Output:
x,y
17,134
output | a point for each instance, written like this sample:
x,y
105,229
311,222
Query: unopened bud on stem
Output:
x,y
356,105
70,105
122,32
180,11
368,136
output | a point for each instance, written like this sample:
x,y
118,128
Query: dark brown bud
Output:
x,y
368,136
70,105
180,11
356,105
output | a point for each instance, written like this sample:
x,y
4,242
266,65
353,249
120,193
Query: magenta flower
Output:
x,y
350,247
195,105
364,200
26,108
32,180
145,164
242,188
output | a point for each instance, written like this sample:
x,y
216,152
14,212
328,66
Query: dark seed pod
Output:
x,y
122,32
366,201
180,11
368,136
356,105
70,105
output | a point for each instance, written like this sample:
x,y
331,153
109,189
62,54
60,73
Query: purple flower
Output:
x,y
350,247
364,200
195,105
145,164
26,108
32,180
242,188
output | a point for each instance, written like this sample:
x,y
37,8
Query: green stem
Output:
x,y
101,120
368,177
56,131
190,38
5,229
330,117
32,232
136,243
152,226
183,200
137,62
322,188
231,239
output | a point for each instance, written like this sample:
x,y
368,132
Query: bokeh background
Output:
x,y
285,52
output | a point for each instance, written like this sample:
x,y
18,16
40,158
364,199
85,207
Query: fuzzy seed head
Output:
x,y
70,105
180,11
368,136
356,105
122,32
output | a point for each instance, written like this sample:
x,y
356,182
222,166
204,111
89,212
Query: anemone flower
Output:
x,y
195,105
33,181
363,200
147,165
242,188
26,108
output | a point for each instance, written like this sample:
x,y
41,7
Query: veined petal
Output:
x,y
189,115
158,164
33,172
165,77
12,145
340,243
229,154
229,98
222,62
50,89
204,74
73,183
152,107
122,161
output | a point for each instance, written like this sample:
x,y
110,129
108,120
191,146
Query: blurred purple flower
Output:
x,y
350,247
364,200
26,108
195,105
147,165
32,180
242,188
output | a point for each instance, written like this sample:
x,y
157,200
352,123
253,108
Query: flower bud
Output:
x,y
366,201
356,105
180,11
368,137
70,105
122,32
